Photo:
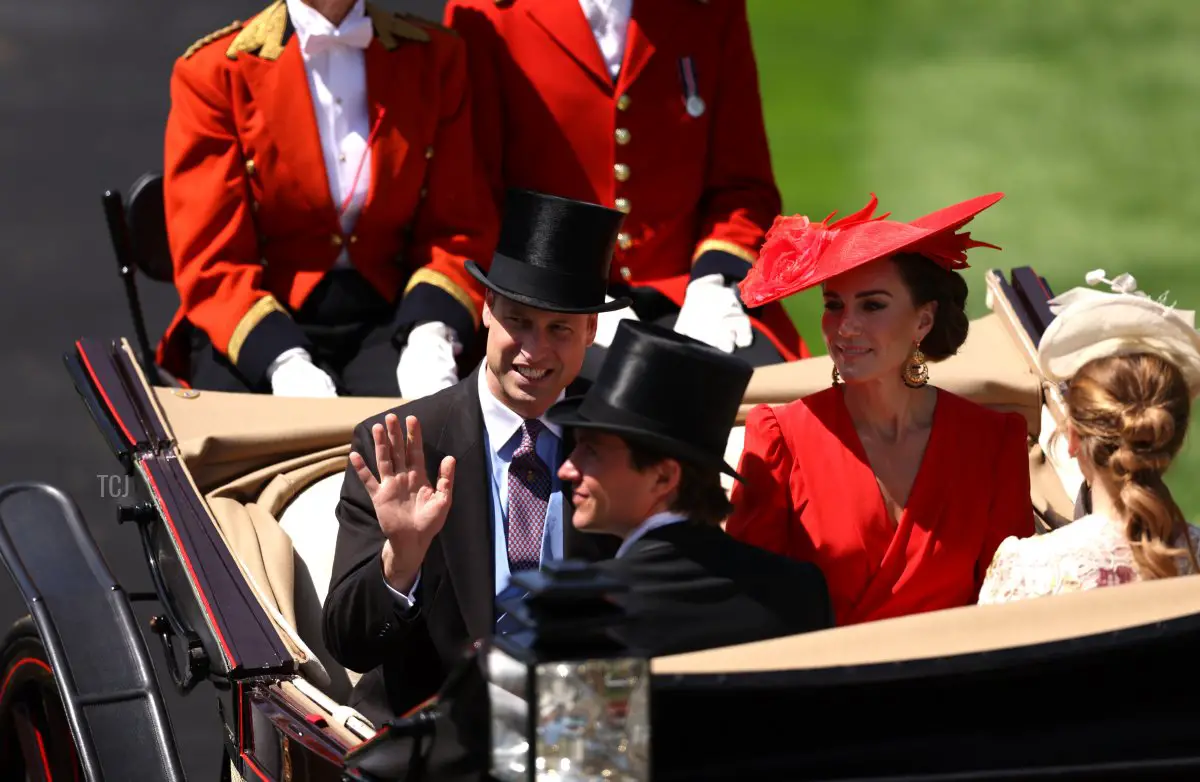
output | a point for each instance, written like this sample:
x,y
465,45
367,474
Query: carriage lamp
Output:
x,y
569,702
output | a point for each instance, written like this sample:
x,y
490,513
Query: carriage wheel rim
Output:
x,y
31,707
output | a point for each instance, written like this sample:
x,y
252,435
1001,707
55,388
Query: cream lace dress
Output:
x,y
1089,552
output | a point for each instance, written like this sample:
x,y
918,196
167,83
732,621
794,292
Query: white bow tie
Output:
x,y
356,33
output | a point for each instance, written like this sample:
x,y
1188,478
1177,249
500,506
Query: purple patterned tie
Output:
x,y
528,496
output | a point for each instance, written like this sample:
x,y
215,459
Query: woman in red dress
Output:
x,y
899,491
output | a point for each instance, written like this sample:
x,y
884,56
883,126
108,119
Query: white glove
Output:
x,y
427,360
712,314
607,322
293,373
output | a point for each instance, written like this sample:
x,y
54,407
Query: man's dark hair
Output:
x,y
700,495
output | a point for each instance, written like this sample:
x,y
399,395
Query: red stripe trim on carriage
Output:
x,y
240,715
42,751
187,561
37,733
255,768
111,407
17,666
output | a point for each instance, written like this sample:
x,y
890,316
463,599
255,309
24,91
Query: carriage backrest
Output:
x,y
145,215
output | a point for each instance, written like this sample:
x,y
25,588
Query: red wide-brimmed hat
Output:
x,y
798,253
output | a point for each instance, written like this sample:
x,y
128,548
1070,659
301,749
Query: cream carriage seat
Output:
x,y
310,522
284,536
254,459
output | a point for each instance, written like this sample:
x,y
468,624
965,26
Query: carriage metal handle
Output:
x,y
169,624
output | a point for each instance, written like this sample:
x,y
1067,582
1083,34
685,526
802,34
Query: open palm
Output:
x,y
410,509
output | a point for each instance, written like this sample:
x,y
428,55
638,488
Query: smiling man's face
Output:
x,y
533,354
609,493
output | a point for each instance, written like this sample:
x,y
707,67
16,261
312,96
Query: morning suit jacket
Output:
x,y
405,660
252,225
698,191
693,587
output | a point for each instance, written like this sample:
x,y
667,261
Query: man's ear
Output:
x,y
593,321
489,301
668,474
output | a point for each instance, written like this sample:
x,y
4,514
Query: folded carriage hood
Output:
x,y
223,435
204,581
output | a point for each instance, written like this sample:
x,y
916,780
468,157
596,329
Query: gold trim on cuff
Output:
x,y
439,280
261,309
724,246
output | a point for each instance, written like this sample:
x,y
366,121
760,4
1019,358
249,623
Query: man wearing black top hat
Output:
x,y
447,495
650,438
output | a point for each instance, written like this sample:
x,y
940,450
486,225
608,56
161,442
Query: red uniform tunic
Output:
x,y
698,189
810,493
252,225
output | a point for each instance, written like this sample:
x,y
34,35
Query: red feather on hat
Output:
x,y
798,253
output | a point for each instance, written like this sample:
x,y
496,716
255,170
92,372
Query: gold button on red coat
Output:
x,y
622,136
621,172
626,274
623,103
623,205
624,241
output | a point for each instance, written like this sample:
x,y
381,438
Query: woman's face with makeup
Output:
x,y
870,323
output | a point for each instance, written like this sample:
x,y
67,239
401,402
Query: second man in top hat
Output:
x,y
650,438
446,496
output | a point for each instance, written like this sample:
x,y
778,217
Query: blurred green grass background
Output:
x,y
1086,114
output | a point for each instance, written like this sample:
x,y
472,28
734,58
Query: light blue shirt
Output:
x,y
501,436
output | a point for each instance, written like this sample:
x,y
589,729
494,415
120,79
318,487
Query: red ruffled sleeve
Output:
x,y
763,509
1011,511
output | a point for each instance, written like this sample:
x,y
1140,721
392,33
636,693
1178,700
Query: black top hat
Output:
x,y
554,253
664,389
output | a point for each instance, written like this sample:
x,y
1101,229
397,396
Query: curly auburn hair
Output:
x,y
1131,413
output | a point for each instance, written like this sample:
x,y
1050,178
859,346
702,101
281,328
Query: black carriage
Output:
x,y
234,515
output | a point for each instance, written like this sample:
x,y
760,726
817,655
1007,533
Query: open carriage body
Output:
x,y
235,515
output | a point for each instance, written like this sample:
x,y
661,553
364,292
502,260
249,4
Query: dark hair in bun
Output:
x,y
926,281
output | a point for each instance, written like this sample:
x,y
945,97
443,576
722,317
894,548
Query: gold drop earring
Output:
x,y
837,378
916,371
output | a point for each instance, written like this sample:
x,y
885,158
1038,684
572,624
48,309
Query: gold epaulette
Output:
x,y
262,34
214,35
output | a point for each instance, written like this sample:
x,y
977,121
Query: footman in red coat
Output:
x,y
322,198
652,107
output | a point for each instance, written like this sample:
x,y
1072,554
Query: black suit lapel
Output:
x,y
467,535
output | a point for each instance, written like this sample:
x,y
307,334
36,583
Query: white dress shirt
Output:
x,y
337,80
609,20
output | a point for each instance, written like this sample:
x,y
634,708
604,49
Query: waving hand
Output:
x,y
410,509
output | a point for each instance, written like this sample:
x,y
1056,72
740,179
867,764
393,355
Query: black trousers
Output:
x,y
350,327
653,307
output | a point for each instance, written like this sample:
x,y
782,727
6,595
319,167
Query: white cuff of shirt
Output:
x,y
406,601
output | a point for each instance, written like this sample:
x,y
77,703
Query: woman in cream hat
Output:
x,y
1130,369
